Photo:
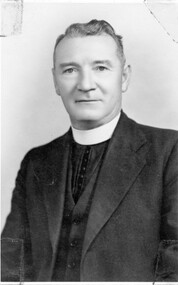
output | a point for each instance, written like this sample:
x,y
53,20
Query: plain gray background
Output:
x,y
32,114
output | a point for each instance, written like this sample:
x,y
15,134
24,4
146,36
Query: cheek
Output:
x,y
68,89
67,104
111,84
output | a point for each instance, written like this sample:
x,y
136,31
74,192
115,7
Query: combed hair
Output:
x,y
92,28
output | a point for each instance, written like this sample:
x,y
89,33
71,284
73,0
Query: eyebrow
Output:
x,y
65,64
105,62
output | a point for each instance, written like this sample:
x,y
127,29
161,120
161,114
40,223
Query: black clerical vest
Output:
x,y
84,166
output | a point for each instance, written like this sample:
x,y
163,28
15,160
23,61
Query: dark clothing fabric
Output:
x,y
132,227
84,161
78,199
80,160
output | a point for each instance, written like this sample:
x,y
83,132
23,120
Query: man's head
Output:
x,y
90,73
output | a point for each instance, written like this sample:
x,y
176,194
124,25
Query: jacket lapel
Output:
x,y
124,160
52,176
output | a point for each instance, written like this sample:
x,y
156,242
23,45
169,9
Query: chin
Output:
x,y
88,119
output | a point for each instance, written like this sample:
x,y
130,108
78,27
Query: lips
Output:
x,y
86,101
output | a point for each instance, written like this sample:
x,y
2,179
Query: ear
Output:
x,y
55,82
126,74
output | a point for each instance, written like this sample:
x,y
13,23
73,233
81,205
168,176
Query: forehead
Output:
x,y
90,47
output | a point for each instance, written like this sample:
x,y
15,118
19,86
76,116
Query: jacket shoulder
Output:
x,y
152,135
150,132
42,152
159,135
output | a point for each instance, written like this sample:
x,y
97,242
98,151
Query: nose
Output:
x,y
86,81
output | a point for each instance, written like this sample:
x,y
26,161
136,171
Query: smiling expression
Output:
x,y
90,77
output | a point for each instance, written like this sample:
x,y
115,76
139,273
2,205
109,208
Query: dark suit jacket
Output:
x,y
132,229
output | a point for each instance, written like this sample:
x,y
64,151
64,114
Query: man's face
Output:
x,y
89,77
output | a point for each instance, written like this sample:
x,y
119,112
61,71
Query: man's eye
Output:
x,y
101,68
69,70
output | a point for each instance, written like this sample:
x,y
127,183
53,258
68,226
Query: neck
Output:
x,y
95,135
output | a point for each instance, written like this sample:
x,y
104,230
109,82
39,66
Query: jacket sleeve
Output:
x,y
167,261
16,262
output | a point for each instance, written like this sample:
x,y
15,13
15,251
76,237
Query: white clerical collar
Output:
x,y
97,135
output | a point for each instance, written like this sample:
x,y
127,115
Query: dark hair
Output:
x,y
92,28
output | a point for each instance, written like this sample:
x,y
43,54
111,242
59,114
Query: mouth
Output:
x,y
87,101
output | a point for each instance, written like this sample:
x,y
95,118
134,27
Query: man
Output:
x,y
100,202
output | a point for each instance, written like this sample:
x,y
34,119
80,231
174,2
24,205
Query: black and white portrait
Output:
x,y
89,142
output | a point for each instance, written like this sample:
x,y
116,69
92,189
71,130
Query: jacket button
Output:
x,y
71,265
68,215
73,243
76,221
